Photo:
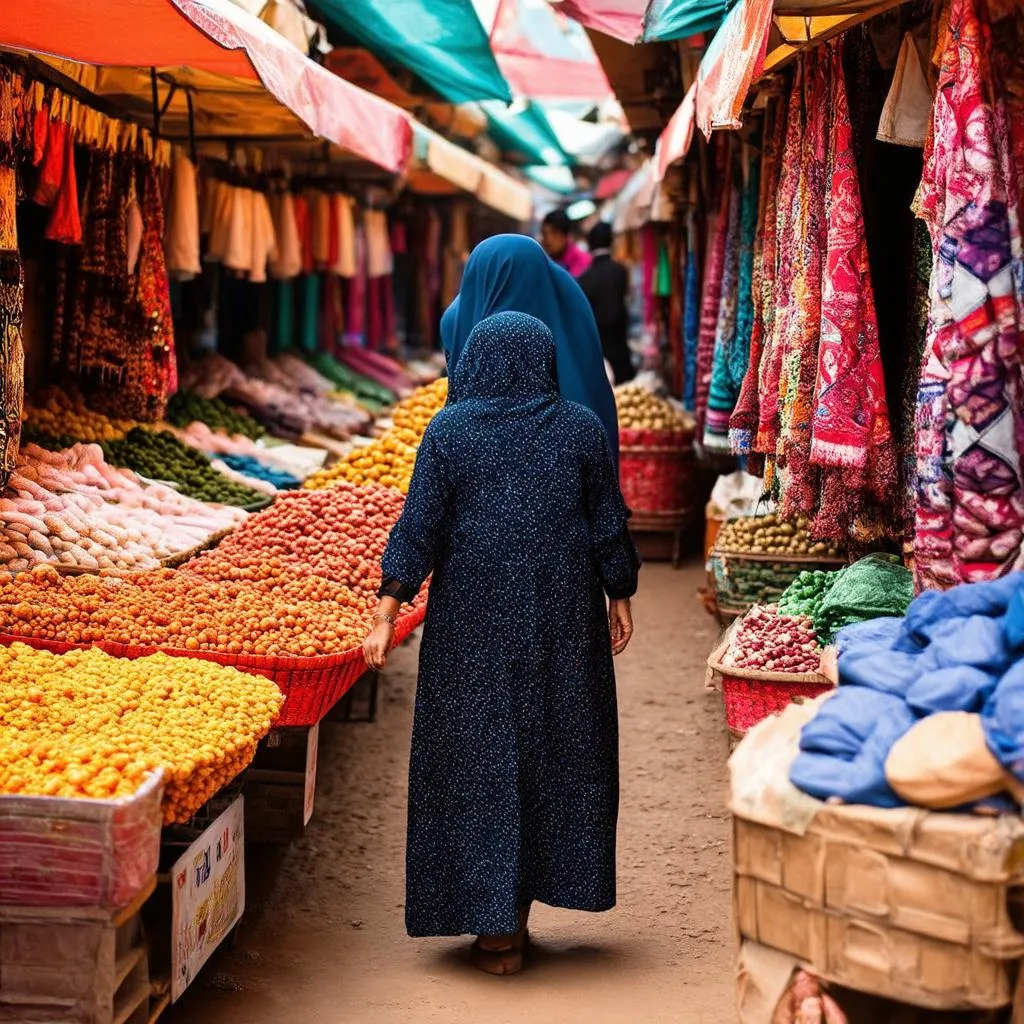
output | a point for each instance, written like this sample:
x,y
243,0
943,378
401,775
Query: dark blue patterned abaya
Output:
x,y
515,508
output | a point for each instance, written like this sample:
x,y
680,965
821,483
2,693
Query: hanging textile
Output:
x,y
732,343
908,106
343,212
181,244
12,279
287,261
691,313
714,268
970,416
744,420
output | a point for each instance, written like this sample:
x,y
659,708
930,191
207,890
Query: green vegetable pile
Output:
x,y
740,584
186,407
161,456
372,396
805,594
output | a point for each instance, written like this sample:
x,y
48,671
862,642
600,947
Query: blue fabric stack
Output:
x,y
962,650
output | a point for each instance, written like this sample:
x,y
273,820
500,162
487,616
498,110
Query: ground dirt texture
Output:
x,y
323,940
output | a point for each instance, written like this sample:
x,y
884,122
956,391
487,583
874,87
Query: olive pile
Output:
x,y
770,535
163,457
187,407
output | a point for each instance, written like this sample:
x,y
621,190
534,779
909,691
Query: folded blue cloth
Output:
x,y
962,650
844,756
1002,720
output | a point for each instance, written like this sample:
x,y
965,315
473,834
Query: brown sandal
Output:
x,y
507,958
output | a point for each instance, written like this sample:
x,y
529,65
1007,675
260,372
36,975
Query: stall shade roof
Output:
x,y
442,41
439,164
633,72
620,19
242,71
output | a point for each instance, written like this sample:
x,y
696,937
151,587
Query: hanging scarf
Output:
x,y
691,314
851,418
713,271
743,423
733,357
970,497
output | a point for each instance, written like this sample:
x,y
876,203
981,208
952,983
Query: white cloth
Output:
x,y
181,237
908,107
379,260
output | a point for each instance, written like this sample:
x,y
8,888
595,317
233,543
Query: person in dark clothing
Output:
x,y
606,286
515,509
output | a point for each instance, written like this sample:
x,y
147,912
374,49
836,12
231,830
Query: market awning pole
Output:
x,y
156,102
192,147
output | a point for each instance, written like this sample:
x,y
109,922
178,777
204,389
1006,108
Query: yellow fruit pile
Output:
x,y
58,414
84,724
387,461
390,459
416,411
640,410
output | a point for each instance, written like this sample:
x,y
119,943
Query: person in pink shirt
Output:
x,y
556,237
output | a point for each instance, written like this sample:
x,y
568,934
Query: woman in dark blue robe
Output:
x,y
515,508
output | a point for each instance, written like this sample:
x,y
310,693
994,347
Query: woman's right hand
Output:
x,y
377,645
620,622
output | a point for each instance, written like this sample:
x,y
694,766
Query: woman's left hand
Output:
x,y
620,621
377,645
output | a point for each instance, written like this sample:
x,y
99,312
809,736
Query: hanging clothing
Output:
x,y
732,344
691,313
181,244
514,508
512,273
908,106
12,281
346,263
379,262
320,223
287,261
743,423
714,269
65,223
970,415
264,240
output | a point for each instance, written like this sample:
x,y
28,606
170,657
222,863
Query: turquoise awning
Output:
x,y
523,130
442,41
679,19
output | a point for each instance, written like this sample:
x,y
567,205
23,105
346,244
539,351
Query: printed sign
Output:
x,y
312,745
207,895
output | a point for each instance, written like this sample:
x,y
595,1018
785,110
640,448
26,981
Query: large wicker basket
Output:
x,y
742,579
750,696
657,479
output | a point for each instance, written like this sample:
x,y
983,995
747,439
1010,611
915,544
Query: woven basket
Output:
x,y
657,479
311,686
751,696
736,593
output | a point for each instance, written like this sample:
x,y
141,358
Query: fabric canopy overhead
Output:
x,y
441,41
620,19
667,20
438,161
675,140
523,131
213,46
538,60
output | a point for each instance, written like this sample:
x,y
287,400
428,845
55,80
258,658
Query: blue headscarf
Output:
x,y
512,274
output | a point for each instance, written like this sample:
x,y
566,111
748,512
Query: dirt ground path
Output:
x,y
324,942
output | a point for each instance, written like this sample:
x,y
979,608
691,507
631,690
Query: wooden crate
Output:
x,y
280,785
74,965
